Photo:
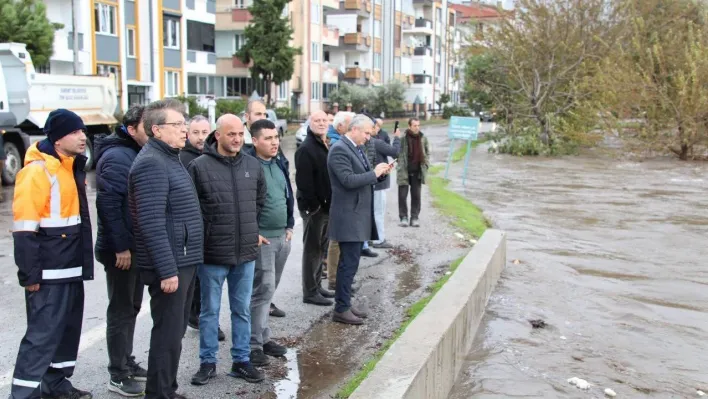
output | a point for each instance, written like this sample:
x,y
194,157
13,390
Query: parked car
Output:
x,y
301,133
280,124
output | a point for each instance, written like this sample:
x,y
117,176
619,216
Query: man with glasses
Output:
x,y
169,239
231,187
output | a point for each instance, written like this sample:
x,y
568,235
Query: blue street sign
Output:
x,y
463,128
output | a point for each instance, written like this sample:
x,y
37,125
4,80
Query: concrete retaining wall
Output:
x,y
425,360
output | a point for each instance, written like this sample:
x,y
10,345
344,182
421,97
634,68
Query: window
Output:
x,y
171,83
315,52
170,30
200,36
105,70
130,38
239,41
137,95
315,91
315,12
377,28
283,92
236,87
397,65
327,89
437,69
377,61
105,18
240,4
200,84
46,69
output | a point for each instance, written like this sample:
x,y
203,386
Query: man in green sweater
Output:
x,y
276,227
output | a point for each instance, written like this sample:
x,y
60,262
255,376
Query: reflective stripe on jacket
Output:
x,y
51,224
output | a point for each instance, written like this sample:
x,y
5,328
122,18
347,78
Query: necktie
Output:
x,y
363,158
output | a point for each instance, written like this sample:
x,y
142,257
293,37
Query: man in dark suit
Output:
x,y
352,179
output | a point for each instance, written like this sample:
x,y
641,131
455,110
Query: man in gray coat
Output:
x,y
352,211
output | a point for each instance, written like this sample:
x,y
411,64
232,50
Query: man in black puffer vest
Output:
x,y
169,239
232,191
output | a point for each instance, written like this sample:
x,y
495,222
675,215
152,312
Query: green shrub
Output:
x,y
194,108
454,110
284,113
225,106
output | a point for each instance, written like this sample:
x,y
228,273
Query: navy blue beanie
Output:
x,y
62,122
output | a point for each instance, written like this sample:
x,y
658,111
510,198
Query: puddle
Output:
x,y
287,387
407,281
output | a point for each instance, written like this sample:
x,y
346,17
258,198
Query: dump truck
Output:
x,y
27,98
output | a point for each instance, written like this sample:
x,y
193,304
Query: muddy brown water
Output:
x,y
612,255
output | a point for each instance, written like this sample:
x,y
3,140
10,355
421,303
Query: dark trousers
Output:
x,y
196,307
350,253
170,313
47,354
125,295
414,183
312,254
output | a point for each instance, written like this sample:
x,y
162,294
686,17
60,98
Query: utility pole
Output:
x,y
74,25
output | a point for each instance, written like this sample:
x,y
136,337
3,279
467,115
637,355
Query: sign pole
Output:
x,y
467,161
449,157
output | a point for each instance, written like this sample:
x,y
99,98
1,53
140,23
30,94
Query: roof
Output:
x,y
475,11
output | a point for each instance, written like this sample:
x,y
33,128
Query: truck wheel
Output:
x,y
13,163
88,153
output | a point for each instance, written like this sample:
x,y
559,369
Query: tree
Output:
x,y
355,95
660,74
389,98
25,21
540,67
268,43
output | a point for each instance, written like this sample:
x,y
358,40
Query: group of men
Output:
x,y
182,210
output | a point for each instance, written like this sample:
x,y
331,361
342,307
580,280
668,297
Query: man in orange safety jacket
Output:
x,y
54,254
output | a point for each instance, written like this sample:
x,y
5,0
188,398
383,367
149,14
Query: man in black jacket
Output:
x,y
115,246
199,129
232,190
169,239
313,199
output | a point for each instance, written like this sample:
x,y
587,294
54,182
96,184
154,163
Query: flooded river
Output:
x,y
612,255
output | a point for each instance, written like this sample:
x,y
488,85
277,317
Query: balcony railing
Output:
x,y
423,23
353,38
353,73
422,79
359,5
423,51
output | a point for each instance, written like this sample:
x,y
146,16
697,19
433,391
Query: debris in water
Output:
x,y
579,383
609,392
700,393
402,254
538,323
577,358
460,236
563,337
288,342
473,241
516,261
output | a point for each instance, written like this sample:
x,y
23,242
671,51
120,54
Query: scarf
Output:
x,y
415,149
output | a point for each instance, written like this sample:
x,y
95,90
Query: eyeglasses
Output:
x,y
176,124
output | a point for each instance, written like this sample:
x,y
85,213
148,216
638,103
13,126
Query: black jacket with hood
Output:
x,y
114,157
232,191
188,154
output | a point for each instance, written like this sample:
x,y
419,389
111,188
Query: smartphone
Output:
x,y
395,127
393,163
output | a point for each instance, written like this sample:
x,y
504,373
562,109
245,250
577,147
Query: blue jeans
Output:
x,y
240,282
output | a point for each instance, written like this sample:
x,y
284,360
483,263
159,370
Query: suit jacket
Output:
x,y
351,214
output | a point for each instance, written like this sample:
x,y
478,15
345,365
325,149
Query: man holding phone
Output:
x,y
378,151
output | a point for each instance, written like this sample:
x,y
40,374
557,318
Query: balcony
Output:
x,y
330,74
330,35
360,7
378,12
423,51
422,66
425,3
377,45
420,26
232,19
232,66
422,80
355,41
356,75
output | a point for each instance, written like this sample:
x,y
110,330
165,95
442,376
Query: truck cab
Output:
x,y
27,98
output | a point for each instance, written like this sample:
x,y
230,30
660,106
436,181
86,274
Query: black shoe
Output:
x,y
247,372
404,222
347,318
415,223
258,358
318,300
127,387
326,293
275,312
270,348
382,245
221,336
72,394
368,253
138,373
178,396
206,372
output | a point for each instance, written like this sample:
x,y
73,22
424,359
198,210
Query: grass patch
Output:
x,y
466,216
460,152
